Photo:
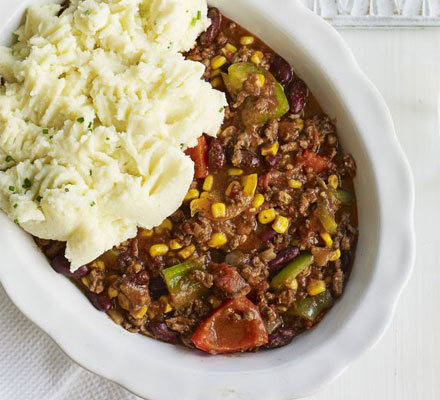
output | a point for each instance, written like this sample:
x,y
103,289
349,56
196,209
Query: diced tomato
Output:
x,y
315,161
199,154
222,332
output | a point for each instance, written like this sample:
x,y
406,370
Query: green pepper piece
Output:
x,y
325,217
183,290
237,74
251,116
345,197
310,307
234,80
285,277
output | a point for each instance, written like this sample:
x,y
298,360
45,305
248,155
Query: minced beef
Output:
x,y
282,188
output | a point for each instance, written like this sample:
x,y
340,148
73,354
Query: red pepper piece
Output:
x,y
199,154
315,161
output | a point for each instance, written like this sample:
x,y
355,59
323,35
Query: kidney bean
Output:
x,y
283,257
81,271
345,263
272,161
267,235
297,94
280,338
249,159
61,265
216,154
207,37
281,70
124,259
141,278
161,331
100,301
157,287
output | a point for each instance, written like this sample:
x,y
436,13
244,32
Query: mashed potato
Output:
x,y
96,109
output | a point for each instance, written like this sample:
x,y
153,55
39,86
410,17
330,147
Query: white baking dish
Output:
x,y
383,263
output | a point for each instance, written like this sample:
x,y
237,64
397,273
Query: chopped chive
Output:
x,y
51,137
15,205
182,146
8,159
12,188
80,120
92,204
39,198
107,138
90,172
66,190
16,221
89,126
221,109
27,184
199,15
193,21
45,131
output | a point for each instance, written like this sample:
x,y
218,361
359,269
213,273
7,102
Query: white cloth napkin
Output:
x,y
32,367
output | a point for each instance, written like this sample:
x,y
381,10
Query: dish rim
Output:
x,y
382,320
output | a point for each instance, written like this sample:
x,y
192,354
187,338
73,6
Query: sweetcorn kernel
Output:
x,y
85,280
165,301
192,194
112,292
123,301
218,210
250,183
335,255
187,251
292,284
258,200
175,244
217,240
261,80
158,250
215,73
281,224
146,232
299,124
216,82
294,184
166,224
204,194
270,150
246,40
327,239
316,287
208,183
267,216
139,314
229,48
218,62
257,57
235,171
333,181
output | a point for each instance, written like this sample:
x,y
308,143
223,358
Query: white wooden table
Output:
x,y
405,365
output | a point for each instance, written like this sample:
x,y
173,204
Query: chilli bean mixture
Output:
x,y
265,239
